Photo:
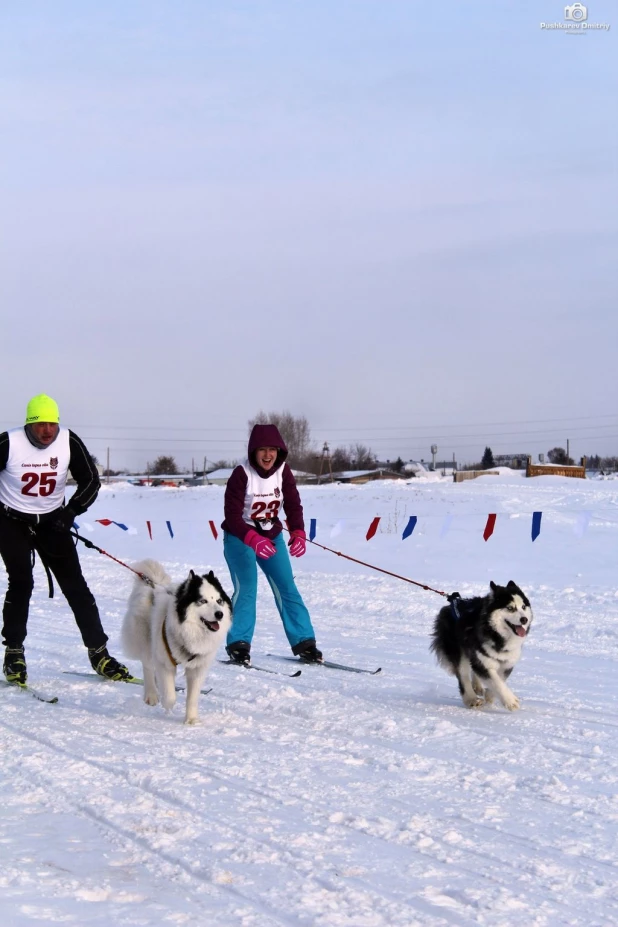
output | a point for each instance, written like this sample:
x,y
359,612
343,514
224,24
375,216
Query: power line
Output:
x,y
449,439
347,428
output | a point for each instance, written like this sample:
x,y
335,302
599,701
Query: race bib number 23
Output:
x,y
263,512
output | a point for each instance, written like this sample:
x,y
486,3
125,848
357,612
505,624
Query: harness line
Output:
x,y
338,553
373,567
88,543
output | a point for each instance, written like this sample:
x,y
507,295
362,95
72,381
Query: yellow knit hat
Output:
x,y
42,408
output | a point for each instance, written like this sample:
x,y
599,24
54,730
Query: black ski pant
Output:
x,y
57,550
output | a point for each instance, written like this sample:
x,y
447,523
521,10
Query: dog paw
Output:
x,y
195,720
512,703
151,699
473,702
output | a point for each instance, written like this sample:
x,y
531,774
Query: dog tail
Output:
x,y
153,570
443,642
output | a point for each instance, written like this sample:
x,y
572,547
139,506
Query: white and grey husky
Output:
x,y
479,641
175,624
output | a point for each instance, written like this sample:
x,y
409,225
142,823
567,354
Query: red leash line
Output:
x,y
88,543
372,567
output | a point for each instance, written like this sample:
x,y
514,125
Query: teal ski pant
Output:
x,y
242,563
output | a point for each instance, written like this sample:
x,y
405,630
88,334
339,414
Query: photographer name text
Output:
x,y
576,27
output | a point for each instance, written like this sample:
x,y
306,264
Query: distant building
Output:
x,y
361,476
514,461
219,477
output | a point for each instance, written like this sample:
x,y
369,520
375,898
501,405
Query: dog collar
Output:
x,y
169,649
167,645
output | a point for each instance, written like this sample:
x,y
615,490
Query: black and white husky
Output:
x,y
175,624
479,641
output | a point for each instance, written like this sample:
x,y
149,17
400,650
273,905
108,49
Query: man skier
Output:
x,y
34,464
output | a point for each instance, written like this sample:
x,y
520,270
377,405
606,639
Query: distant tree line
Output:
x,y
304,455
557,456
595,462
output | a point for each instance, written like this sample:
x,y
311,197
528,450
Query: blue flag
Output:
x,y
536,524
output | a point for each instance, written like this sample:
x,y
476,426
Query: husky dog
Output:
x,y
174,624
479,641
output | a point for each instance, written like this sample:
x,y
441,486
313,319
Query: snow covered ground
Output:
x,y
334,800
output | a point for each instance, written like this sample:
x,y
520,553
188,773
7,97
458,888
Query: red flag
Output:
x,y
213,529
373,527
489,527
105,521
149,529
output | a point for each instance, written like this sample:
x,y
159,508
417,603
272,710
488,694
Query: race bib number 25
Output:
x,y
38,484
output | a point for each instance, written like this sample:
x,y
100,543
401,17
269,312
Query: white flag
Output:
x,y
581,525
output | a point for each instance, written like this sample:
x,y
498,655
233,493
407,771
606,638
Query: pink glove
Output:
x,y
262,546
297,543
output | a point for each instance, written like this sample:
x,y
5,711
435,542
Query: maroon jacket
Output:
x,y
262,436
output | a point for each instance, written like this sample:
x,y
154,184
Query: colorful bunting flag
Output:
x,y
489,527
107,522
581,526
536,524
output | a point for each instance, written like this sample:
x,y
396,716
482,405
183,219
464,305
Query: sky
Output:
x,y
396,219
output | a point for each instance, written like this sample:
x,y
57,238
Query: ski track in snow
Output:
x,y
334,800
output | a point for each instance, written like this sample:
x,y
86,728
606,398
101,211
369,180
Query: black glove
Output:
x,y
63,519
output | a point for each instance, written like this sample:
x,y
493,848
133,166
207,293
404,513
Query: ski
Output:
x,y
330,665
33,692
133,680
260,669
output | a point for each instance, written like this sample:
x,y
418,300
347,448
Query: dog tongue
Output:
x,y
213,625
521,632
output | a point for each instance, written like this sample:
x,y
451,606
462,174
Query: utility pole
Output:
x,y
568,455
204,472
326,456
107,465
